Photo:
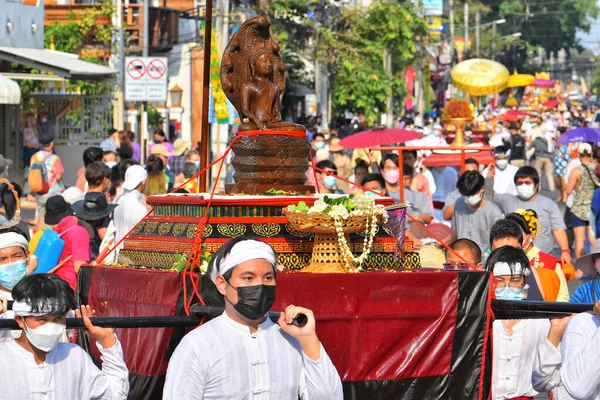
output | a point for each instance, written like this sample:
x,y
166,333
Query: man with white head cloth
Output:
x,y
15,263
242,354
36,366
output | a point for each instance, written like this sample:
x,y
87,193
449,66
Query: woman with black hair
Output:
x,y
526,358
37,364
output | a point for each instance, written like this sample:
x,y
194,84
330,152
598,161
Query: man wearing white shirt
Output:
x,y
15,263
242,354
35,365
580,349
504,173
526,353
131,208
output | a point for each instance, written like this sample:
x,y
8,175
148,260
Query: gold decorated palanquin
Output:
x,y
171,228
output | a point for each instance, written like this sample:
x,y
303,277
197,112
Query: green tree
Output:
x,y
355,54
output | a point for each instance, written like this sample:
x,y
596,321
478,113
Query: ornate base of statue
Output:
x,y
270,160
247,125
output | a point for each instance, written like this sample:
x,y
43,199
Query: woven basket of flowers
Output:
x,y
331,220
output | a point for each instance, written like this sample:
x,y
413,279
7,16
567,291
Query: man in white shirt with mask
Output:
x,y
248,355
580,349
35,365
527,181
15,263
503,173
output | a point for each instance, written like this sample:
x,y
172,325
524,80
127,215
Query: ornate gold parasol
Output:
x,y
518,80
479,77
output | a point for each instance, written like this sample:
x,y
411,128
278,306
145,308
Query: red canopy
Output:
x,y
441,160
378,137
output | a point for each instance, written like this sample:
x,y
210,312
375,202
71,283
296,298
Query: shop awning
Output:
x,y
10,91
62,64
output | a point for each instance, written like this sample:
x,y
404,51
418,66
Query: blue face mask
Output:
x,y
197,164
330,181
12,273
319,145
507,293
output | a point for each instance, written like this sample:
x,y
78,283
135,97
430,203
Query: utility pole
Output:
x,y
387,65
478,30
204,134
225,34
145,42
493,40
451,17
121,66
466,52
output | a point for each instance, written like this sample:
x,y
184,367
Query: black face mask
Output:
x,y
253,301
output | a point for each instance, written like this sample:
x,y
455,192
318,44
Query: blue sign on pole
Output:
x,y
433,7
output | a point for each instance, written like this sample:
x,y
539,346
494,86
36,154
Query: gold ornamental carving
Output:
x,y
266,230
231,230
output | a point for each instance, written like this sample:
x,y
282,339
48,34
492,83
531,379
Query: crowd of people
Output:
x,y
494,218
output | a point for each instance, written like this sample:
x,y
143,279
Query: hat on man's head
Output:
x,y
45,140
335,146
160,149
4,161
72,194
180,146
584,148
56,209
93,207
134,175
586,263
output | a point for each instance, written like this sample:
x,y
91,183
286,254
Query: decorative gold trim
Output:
x,y
266,230
231,230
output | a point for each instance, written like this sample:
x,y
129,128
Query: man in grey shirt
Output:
x,y
527,181
471,164
473,216
45,122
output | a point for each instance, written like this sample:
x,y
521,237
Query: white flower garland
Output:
x,y
362,206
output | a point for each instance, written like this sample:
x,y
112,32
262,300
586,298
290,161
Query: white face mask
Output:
x,y
501,164
474,200
44,120
45,337
525,192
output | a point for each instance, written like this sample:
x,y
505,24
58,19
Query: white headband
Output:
x,y
244,251
25,310
10,239
502,269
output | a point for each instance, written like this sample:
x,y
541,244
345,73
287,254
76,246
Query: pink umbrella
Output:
x,y
543,83
378,137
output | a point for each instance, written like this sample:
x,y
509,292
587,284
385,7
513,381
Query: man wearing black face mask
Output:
x,y
242,354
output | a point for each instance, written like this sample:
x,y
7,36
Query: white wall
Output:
x,y
21,18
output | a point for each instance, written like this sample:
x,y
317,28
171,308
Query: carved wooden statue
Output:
x,y
253,77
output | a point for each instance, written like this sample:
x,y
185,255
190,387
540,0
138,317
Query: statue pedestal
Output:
x,y
265,160
258,189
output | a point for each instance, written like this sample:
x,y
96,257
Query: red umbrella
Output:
x,y
378,137
550,103
514,115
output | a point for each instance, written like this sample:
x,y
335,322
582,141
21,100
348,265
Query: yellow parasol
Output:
x,y
479,77
517,80
512,102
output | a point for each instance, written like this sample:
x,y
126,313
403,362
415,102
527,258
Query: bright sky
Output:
x,y
590,40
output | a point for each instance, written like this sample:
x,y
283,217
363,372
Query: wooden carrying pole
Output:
x,y
204,134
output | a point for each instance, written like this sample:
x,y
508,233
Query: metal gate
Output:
x,y
85,124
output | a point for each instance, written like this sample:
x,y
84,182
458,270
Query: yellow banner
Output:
x,y
215,80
